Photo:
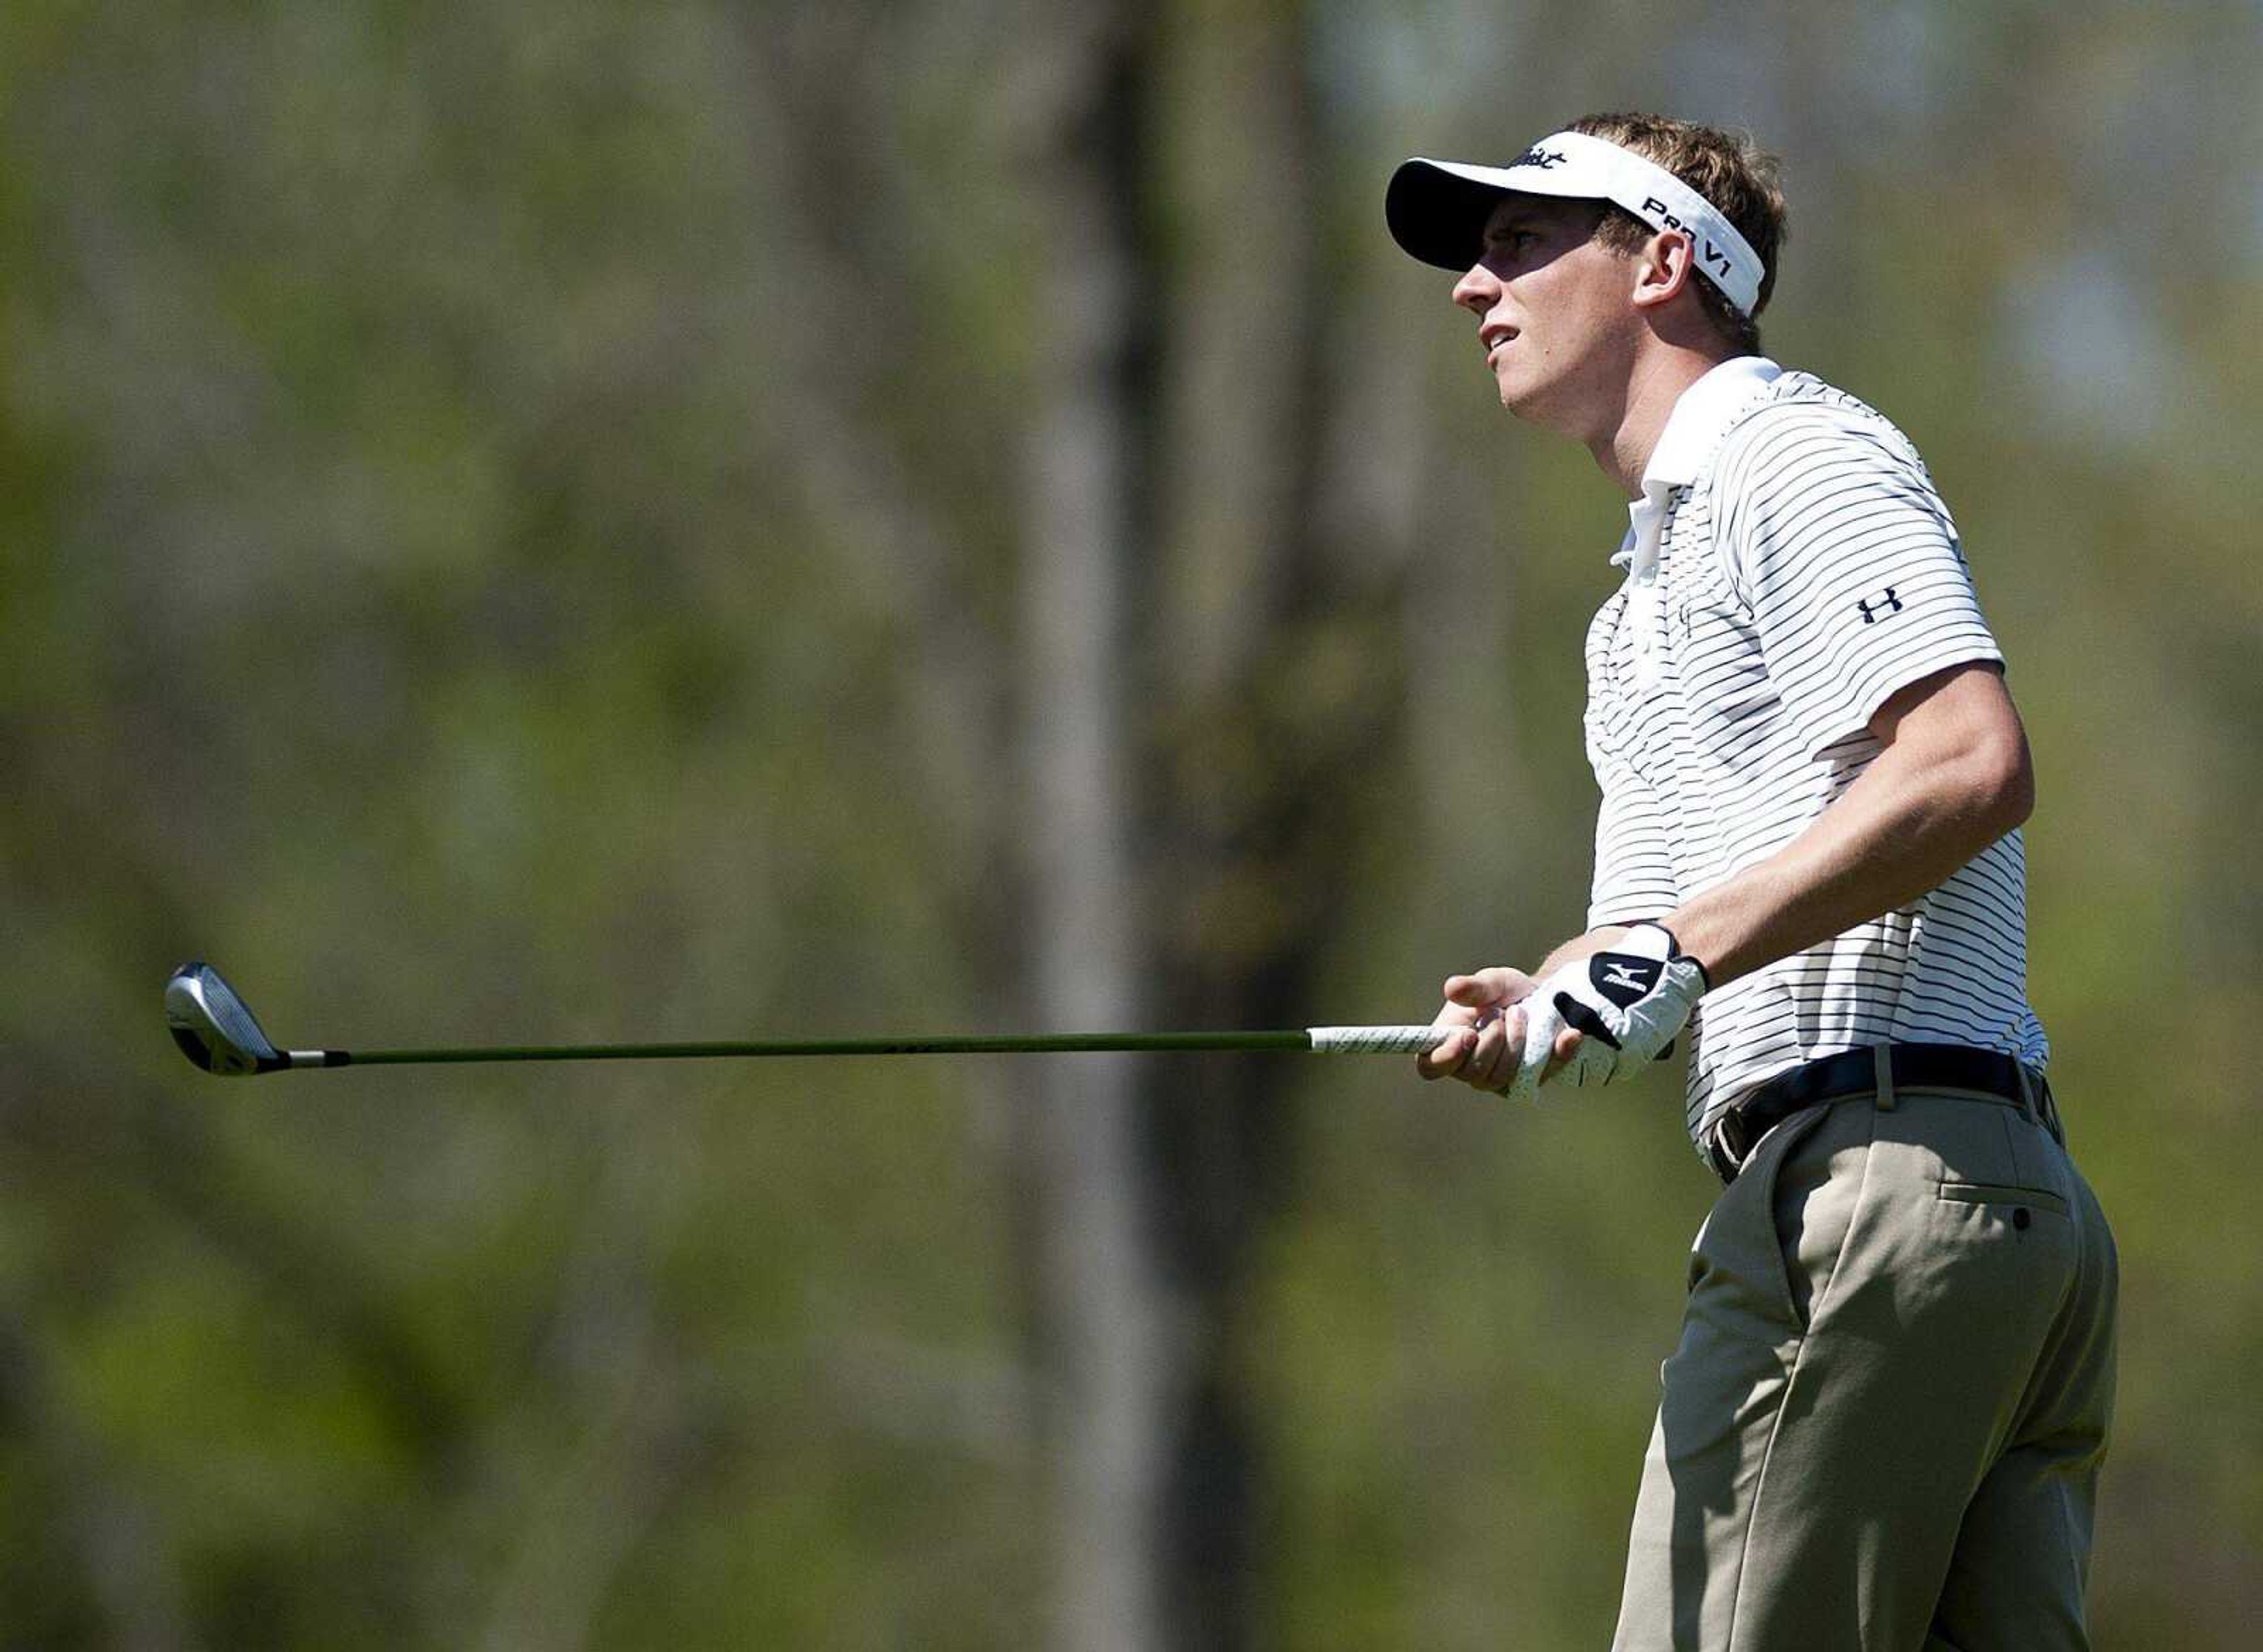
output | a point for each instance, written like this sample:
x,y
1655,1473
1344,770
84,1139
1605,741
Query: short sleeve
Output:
x,y
1634,864
1849,562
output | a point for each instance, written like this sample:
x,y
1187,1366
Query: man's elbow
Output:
x,y
1962,730
2004,781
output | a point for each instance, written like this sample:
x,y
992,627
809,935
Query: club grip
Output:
x,y
1378,1041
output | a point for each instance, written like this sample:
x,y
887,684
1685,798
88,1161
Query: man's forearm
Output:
x,y
1578,948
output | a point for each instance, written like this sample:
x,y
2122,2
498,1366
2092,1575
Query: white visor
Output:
x,y
1437,209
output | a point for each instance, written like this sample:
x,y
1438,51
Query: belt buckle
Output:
x,y
1727,1143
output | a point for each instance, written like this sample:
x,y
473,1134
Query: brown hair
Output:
x,y
1729,170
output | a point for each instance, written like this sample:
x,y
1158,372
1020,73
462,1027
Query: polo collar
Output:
x,y
1702,416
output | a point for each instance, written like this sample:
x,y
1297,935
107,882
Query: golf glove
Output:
x,y
1629,1001
1542,1024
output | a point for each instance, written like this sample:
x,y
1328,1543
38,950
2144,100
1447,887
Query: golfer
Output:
x,y
1883,1425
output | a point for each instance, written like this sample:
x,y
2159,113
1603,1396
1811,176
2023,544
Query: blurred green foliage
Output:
x,y
509,531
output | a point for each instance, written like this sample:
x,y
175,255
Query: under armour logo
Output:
x,y
1542,158
1891,603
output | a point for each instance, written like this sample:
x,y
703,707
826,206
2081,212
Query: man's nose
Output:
x,y
1477,290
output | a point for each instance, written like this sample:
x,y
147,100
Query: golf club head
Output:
x,y
213,1027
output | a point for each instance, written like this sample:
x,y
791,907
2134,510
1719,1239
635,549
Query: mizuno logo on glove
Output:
x,y
1622,979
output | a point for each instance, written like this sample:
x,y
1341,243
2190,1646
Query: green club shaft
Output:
x,y
1337,1040
1040,1044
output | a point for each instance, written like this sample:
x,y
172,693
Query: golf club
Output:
x,y
217,1031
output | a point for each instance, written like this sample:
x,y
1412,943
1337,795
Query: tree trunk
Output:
x,y
1106,1323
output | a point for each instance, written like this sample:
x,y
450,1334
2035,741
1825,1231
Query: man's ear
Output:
x,y
1665,265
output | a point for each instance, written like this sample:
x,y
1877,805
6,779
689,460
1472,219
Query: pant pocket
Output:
x,y
1818,1188
1997,1194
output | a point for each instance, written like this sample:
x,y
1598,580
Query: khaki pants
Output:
x,y
1883,1427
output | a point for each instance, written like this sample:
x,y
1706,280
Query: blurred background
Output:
x,y
540,522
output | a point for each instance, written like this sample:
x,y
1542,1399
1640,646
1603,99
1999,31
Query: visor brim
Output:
x,y
1437,212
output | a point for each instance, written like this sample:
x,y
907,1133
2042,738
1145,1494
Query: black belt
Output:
x,y
1732,1137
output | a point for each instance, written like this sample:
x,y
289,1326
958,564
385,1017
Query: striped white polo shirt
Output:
x,y
1789,568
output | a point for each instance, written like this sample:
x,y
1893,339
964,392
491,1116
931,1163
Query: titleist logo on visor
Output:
x,y
1537,157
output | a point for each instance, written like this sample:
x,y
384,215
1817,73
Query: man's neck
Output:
x,y
1655,385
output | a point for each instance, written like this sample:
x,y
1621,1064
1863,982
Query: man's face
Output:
x,y
1555,313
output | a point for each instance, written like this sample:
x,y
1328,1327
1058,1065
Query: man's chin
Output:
x,y
1523,400
1531,404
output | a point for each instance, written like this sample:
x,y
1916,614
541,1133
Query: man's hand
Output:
x,y
1630,1000
1513,1040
